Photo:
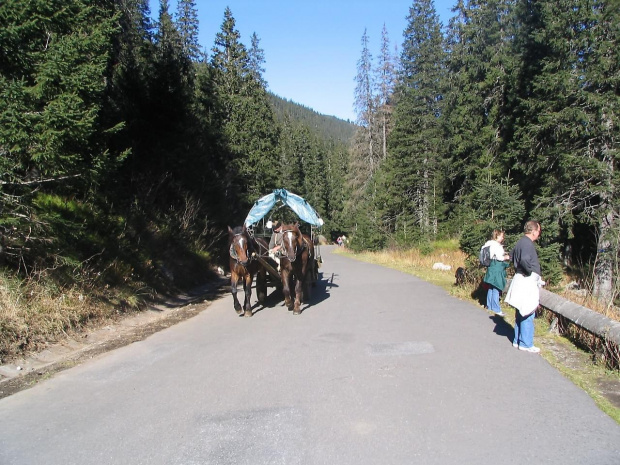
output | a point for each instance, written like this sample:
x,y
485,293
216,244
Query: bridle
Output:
x,y
303,244
233,251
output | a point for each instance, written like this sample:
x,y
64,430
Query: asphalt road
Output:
x,y
380,368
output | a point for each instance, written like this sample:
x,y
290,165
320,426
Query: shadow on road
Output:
x,y
275,299
502,328
318,293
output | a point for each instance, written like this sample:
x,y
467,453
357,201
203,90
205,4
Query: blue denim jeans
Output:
x,y
524,330
493,299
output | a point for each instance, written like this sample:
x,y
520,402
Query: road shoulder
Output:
x,y
27,371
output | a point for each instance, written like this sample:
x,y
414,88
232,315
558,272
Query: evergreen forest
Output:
x,y
127,150
510,112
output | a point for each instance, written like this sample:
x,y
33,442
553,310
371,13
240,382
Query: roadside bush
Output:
x,y
33,314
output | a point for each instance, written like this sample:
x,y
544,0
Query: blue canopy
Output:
x,y
263,205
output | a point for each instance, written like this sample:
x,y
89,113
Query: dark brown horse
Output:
x,y
242,249
296,262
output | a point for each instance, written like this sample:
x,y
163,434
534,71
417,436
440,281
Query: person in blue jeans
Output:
x,y
495,277
524,291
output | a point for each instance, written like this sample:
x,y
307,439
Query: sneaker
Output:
x,y
515,345
532,349
500,313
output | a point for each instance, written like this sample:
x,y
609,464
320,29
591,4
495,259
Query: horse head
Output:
x,y
292,241
240,245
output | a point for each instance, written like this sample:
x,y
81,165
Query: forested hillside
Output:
x,y
328,127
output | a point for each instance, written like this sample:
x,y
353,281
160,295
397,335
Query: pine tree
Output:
x,y
53,81
257,60
567,142
313,162
55,100
229,58
491,205
294,146
385,81
365,105
365,152
477,104
187,24
337,166
314,167
129,95
170,100
410,182
245,118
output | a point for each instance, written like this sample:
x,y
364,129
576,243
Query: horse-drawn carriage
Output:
x,y
299,254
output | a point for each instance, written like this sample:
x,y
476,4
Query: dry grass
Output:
x,y
33,315
605,352
420,264
585,299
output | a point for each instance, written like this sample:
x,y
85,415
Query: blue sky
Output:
x,y
311,48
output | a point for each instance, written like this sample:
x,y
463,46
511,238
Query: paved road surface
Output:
x,y
381,368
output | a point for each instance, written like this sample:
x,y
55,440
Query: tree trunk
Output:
x,y
607,244
384,136
605,255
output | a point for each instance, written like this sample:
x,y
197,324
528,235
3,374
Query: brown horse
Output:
x,y
296,262
242,249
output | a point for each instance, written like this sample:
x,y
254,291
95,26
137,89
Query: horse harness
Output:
x,y
252,243
233,252
304,245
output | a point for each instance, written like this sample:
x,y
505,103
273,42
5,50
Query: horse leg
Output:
x,y
234,278
299,283
307,292
247,287
306,277
286,289
261,285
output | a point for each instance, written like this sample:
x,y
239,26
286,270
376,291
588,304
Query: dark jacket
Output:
x,y
496,274
525,258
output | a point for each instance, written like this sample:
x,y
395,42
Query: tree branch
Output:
x,y
39,181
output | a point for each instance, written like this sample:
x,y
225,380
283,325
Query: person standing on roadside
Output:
x,y
524,291
495,276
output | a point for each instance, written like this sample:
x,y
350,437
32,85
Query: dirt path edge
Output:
x,y
26,372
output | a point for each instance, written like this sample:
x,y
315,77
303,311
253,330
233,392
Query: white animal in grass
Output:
x,y
442,267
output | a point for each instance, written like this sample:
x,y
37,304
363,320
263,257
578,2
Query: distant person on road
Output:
x,y
524,291
495,276
339,241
